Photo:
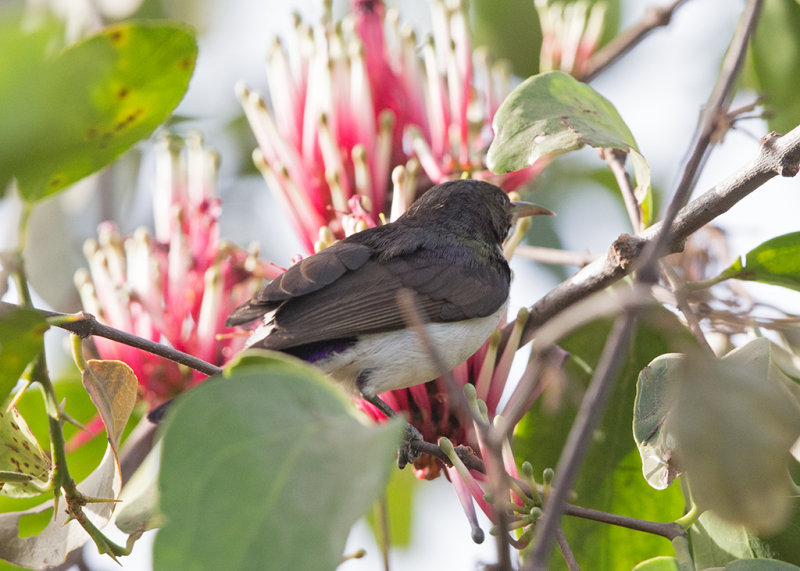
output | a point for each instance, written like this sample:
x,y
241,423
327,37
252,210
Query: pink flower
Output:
x,y
176,286
357,121
355,112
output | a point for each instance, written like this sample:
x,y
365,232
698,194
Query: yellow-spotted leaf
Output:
x,y
51,545
24,469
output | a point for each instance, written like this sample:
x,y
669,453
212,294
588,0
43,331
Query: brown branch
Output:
x,y
654,17
615,159
715,107
777,155
668,530
578,440
593,403
85,325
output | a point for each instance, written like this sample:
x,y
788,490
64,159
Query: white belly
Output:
x,y
398,359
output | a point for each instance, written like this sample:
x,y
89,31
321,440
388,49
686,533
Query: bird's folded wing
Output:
x,y
305,277
365,301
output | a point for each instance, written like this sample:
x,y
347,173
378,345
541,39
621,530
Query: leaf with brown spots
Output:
x,y
89,104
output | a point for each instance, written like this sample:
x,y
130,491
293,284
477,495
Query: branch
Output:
x,y
709,118
668,530
777,155
592,407
85,325
594,401
615,158
554,256
654,17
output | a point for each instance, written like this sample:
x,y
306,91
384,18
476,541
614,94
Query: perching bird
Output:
x,y
338,309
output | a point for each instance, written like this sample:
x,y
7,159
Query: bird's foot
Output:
x,y
409,451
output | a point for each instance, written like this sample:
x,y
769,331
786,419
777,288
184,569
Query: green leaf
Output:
x,y
652,407
399,506
84,107
510,30
611,477
760,565
734,421
113,388
774,57
555,113
716,542
272,464
776,262
662,563
21,339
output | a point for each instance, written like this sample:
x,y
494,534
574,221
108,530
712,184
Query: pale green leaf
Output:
x,y
734,422
611,476
760,565
774,58
655,390
272,464
662,563
555,113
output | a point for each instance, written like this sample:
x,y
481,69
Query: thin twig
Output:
x,y
578,440
654,17
497,475
682,303
408,306
716,105
615,159
701,141
555,256
566,551
85,325
668,530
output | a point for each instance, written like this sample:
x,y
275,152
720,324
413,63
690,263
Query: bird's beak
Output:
x,y
522,209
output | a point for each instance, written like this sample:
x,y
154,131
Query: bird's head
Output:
x,y
471,206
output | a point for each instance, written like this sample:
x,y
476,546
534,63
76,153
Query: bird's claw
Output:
x,y
408,452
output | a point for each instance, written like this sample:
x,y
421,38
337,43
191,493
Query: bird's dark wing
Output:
x,y
365,300
307,276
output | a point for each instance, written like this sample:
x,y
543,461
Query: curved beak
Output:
x,y
521,209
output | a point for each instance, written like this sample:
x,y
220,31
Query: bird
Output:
x,y
338,308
